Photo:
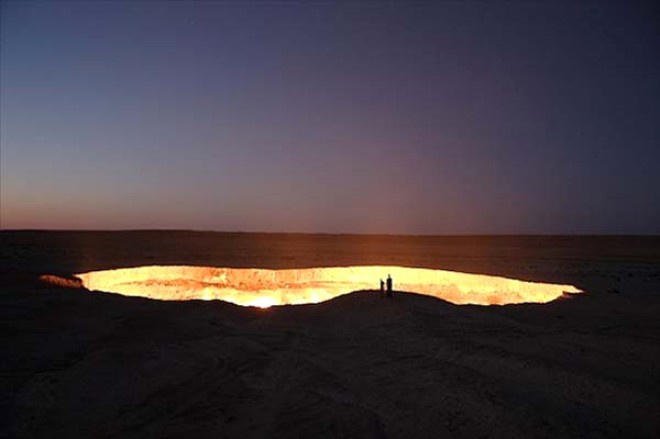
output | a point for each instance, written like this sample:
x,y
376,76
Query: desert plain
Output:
x,y
79,363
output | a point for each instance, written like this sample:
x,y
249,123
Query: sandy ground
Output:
x,y
81,364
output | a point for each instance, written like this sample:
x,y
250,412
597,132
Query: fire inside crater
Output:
x,y
264,288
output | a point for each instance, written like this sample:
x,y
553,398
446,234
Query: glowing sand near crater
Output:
x,y
264,288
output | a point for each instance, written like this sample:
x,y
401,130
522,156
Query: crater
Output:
x,y
264,288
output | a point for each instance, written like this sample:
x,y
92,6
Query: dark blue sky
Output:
x,y
395,118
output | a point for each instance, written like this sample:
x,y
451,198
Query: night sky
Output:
x,y
428,118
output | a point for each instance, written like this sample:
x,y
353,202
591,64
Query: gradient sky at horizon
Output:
x,y
420,118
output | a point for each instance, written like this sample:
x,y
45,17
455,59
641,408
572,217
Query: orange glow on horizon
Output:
x,y
264,288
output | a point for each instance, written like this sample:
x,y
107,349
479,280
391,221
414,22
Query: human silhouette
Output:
x,y
382,288
389,286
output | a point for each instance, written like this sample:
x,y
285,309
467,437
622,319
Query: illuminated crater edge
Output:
x,y
264,288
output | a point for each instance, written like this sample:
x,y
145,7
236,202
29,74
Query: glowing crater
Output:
x,y
264,288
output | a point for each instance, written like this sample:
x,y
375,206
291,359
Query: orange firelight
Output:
x,y
264,288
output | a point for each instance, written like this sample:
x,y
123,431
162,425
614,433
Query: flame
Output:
x,y
263,302
264,288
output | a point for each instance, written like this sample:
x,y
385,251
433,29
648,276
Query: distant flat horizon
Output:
x,y
422,235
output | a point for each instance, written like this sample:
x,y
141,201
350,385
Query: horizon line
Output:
x,y
248,232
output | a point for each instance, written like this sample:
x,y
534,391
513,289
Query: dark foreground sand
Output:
x,y
80,364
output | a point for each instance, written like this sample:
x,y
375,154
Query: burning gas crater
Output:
x,y
264,288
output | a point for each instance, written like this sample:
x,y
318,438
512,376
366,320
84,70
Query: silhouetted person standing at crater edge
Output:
x,y
389,286
382,289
